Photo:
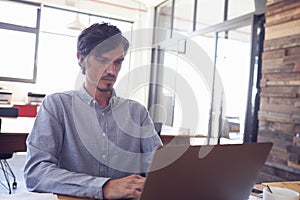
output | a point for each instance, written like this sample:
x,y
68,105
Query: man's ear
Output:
x,y
80,58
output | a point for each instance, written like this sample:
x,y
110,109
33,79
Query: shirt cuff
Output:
x,y
98,187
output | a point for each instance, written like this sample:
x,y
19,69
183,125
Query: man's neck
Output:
x,y
101,97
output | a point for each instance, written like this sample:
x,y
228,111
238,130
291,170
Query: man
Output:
x,y
89,142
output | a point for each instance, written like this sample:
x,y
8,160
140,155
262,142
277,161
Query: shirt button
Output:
x,y
103,114
103,134
103,156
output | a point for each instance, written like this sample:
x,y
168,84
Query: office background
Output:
x,y
250,56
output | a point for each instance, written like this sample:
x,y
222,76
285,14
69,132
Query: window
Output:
x,y
26,13
18,39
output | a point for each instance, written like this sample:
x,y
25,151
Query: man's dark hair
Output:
x,y
103,37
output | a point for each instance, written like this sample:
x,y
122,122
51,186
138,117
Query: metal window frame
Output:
x,y
251,118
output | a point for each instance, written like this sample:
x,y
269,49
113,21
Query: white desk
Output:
x,y
17,125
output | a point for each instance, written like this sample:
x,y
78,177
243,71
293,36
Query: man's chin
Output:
x,y
107,89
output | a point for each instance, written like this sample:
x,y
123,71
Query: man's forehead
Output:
x,y
116,53
110,57
108,45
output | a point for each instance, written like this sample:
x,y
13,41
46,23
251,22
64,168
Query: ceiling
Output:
x,y
149,2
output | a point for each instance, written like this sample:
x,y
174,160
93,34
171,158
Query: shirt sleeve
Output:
x,y
41,171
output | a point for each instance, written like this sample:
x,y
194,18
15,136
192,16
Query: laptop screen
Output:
x,y
205,172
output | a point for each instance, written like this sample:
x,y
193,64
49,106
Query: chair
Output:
x,y
6,169
158,126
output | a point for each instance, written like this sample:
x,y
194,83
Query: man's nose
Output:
x,y
111,68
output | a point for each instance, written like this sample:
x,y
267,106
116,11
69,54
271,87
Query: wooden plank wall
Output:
x,y
279,114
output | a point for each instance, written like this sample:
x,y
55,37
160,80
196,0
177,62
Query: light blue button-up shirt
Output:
x,y
75,146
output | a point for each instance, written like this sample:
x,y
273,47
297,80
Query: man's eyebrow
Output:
x,y
107,58
103,57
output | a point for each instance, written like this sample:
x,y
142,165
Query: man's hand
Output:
x,y
127,187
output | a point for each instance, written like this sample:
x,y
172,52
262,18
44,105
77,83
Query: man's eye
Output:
x,y
101,60
118,62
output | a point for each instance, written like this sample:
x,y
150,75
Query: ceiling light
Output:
x,y
76,24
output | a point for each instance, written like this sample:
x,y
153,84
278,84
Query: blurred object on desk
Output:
x,y
231,128
5,96
169,130
27,110
279,193
174,135
9,112
35,98
293,185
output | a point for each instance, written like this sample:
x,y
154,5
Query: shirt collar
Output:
x,y
87,98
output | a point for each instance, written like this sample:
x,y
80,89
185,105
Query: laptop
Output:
x,y
220,172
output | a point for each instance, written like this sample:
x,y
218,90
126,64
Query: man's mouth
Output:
x,y
108,78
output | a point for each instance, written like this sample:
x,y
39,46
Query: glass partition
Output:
x,y
184,15
224,31
231,84
237,8
184,78
209,12
163,21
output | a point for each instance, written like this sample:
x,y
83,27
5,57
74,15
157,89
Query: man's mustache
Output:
x,y
110,76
